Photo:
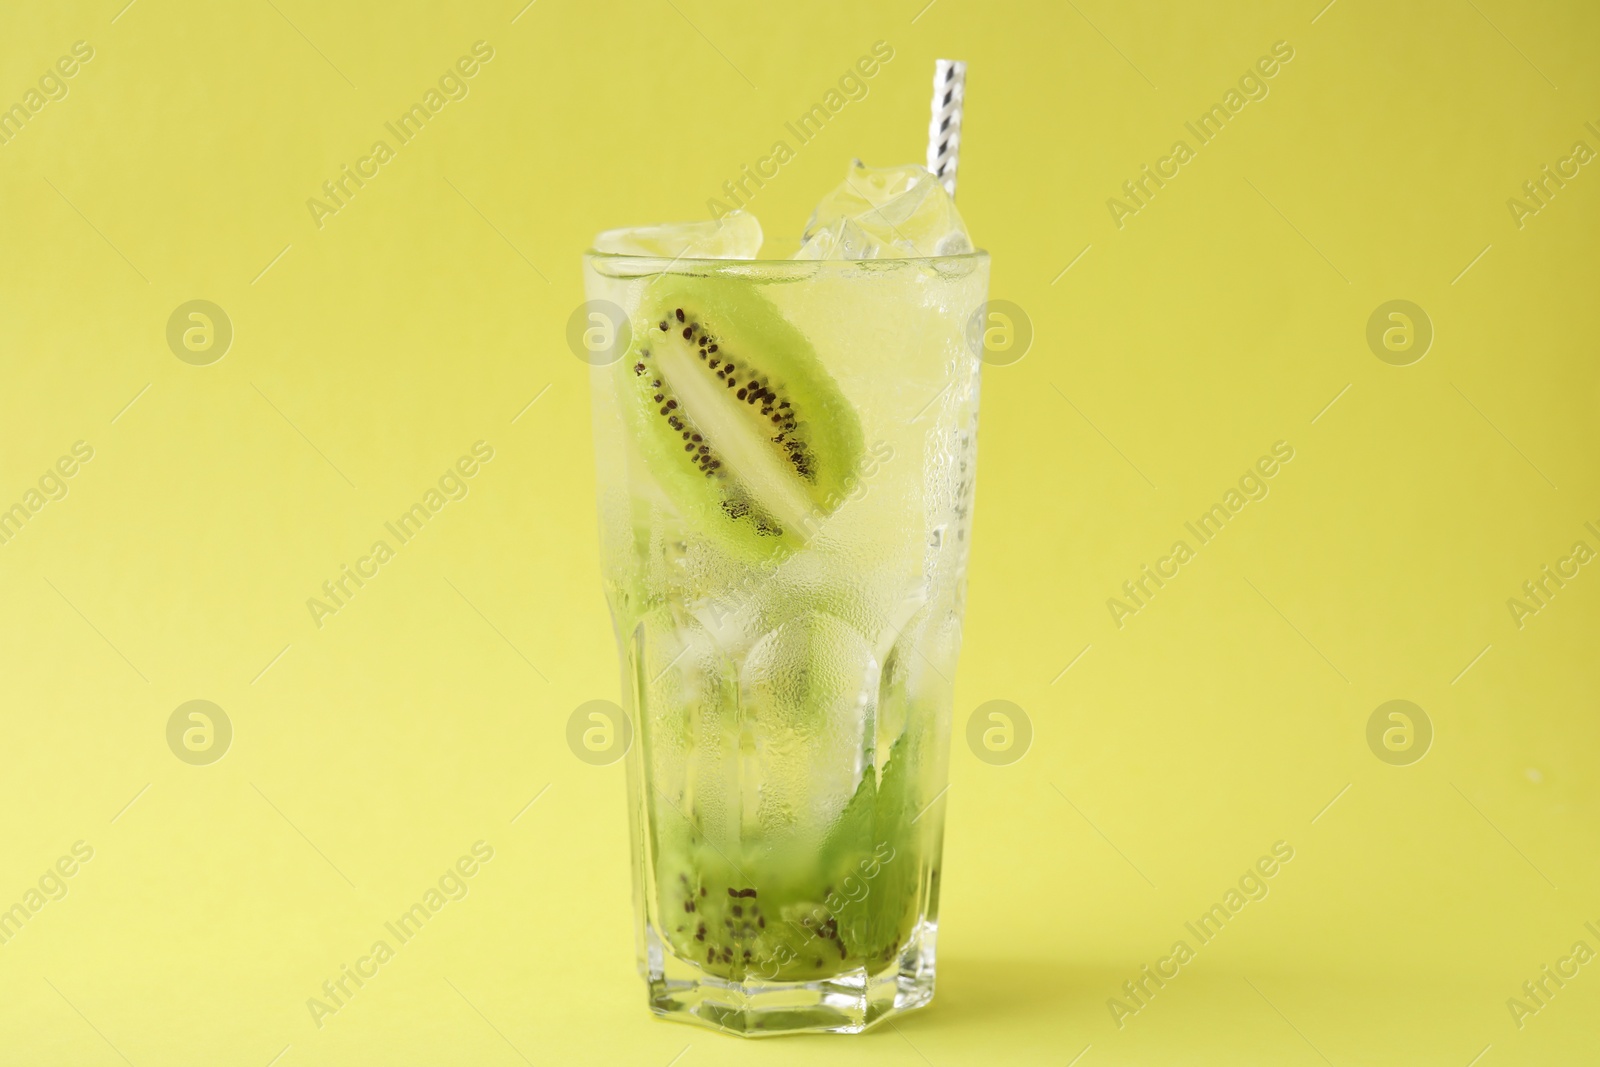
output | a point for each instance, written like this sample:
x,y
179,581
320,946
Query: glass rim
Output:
x,y
788,262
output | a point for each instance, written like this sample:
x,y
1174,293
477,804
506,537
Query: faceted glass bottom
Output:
x,y
846,1003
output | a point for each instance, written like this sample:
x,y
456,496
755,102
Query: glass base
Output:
x,y
846,1003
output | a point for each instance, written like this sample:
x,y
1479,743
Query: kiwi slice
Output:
x,y
799,917
736,416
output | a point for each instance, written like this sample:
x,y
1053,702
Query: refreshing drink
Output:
x,y
786,453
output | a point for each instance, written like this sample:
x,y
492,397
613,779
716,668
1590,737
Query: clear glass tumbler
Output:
x,y
786,454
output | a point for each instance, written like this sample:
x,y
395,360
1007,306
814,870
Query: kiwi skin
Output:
x,y
703,342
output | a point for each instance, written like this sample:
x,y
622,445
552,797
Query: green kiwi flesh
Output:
x,y
775,917
736,416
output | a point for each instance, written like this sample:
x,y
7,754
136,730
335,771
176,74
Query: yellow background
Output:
x,y
425,715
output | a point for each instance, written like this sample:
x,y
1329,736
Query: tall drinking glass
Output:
x,y
786,452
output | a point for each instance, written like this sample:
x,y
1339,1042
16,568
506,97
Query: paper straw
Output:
x,y
944,129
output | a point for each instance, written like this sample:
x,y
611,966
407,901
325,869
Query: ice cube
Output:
x,y
808,692
737,235
885,213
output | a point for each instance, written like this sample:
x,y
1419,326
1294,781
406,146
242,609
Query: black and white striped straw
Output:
x,y
944,129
